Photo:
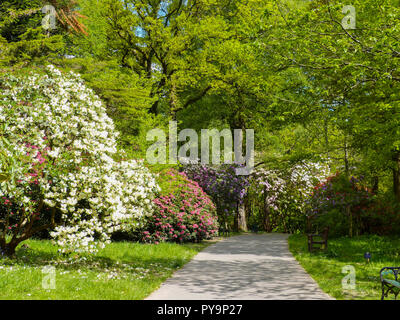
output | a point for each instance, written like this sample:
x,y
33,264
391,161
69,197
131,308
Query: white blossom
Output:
x,y
57,122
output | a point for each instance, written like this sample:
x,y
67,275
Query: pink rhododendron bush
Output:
x,y
183,212
60,167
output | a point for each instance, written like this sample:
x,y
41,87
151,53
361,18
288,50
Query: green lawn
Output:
x,y
122,270
326,267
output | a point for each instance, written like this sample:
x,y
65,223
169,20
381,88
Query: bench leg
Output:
x,y
383,292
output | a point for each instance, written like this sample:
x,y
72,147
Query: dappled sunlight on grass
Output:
x,y
326,266
122,270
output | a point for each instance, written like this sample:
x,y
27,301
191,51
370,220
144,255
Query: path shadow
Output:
x,y
249,267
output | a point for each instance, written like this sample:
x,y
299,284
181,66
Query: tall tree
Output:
x,y
353,71
33,30
188,48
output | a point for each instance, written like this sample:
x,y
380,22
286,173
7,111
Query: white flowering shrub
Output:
x,y
60,167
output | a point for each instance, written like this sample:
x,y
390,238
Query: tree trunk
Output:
x,y
241,220
350,214
267,213
173,102
396,176
375,186
9,249
326,134
236,222
346,158
396,184
347,172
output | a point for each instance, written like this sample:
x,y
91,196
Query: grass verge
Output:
x,y
120,271
326,267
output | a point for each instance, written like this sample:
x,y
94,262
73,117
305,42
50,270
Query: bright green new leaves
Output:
x,y
353,74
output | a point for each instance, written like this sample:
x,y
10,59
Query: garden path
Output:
x,y
246,267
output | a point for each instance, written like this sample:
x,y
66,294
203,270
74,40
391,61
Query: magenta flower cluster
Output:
x,y
183,214
9,208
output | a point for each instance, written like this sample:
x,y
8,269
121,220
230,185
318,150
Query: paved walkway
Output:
x,y
247,267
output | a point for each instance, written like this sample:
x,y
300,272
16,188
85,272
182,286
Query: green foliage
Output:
x,y
382,216
326,267
338,203
171,182
182,47
22,38
94,44
312,89
352,76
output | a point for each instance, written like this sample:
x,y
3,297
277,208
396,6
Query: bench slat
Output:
x,y
392,282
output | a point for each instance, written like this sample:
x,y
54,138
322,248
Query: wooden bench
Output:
x,y
390,285
319,240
